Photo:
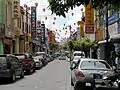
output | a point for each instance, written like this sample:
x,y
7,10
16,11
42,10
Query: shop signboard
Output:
x,y
114,18
42,33
89,19
38,30
33,22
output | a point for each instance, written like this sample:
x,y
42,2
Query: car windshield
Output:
x,y
78,54
94,65
2,60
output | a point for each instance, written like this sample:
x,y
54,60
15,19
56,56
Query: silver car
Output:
x,y
82,73
38,62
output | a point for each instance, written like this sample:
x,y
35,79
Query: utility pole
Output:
x,y
107,38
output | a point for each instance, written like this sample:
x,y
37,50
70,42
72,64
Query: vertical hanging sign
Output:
x,y
89,19
38,29
43,33
33,22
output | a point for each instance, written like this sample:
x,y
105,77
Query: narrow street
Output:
x,y
54,76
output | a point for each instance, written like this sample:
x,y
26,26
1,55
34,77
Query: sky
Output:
x,y
59,22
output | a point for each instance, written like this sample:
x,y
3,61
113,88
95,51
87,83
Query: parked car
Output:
x,y
78,53
83,72
38,62
62,56
43,57
10,67
29,63
76,58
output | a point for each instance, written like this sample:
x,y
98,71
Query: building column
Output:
x,y
17,45
1,47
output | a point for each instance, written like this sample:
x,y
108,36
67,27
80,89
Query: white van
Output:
x,y
79,53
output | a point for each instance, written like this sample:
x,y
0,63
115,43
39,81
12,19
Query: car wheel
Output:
x,y
22,74
13,78
72,84
79,86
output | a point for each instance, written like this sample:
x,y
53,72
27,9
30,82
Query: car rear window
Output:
x,y
78,54
21,57
94,65
2,60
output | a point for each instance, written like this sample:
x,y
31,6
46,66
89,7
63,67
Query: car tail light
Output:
x,y
25,61
79,74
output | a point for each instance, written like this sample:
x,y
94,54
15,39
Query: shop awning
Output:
x,y
103,41
115,39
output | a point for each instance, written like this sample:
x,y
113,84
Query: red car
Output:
x,y
29,63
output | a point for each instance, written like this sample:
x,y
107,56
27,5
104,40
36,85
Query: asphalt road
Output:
x,y
54,76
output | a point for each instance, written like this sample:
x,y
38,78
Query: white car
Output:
x,y
38,62
78,53
76,58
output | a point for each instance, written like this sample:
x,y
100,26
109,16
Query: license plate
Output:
x,y
97,78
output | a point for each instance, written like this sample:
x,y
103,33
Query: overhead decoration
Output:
x,y
81,9
56,29
53,22
72,14
54,18
42,22
36,4
45,18
25,5
64,24
28,8
74,23
43,9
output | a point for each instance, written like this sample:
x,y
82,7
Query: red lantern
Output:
x,y
28,8
81,9
53,22
54,18
64,24
25,5
72,14
66,31
43,22
74,23
45,18
43,9
36,4
56,29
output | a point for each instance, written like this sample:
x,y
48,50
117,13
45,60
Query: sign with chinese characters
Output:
x,y
33,22
38,30
89,19
42,33
99,35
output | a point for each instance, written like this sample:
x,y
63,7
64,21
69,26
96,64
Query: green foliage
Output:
x,y
60,7
53,46
82,44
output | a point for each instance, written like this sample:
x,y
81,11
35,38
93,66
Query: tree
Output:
x,y
60,7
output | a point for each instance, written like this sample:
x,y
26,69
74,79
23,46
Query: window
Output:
x,y
94,65
2,60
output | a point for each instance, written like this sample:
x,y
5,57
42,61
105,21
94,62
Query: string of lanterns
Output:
x,y
45,17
